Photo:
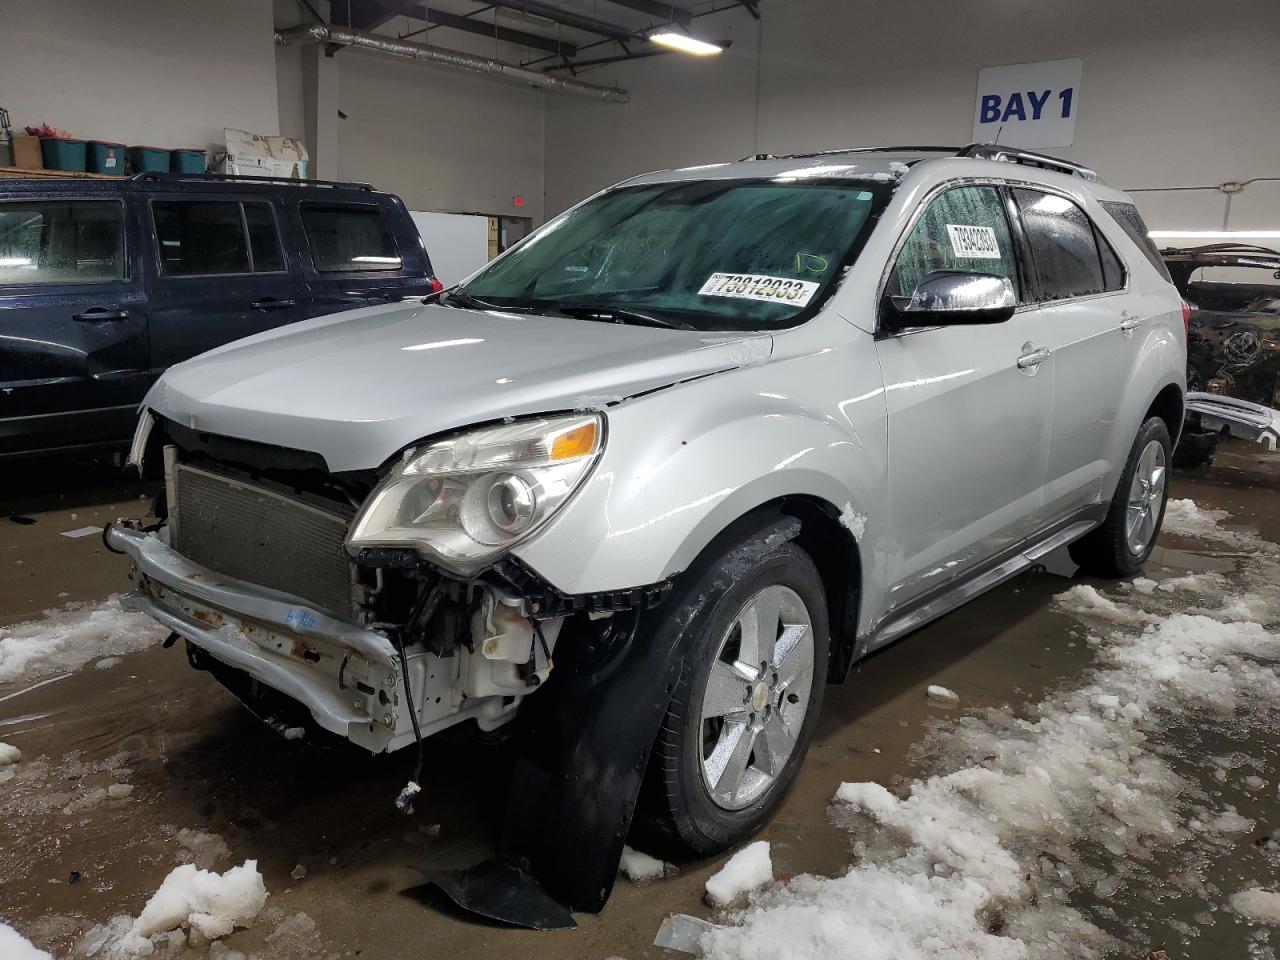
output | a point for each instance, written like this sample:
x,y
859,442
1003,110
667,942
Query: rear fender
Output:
x,y
1161,362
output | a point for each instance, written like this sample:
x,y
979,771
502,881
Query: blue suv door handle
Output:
x,y
100,315
271,303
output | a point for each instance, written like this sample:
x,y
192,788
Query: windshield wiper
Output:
x,y
464,301
615,314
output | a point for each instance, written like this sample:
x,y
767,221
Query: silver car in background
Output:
x,y
645,484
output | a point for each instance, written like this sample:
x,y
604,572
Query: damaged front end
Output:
x,y
260,565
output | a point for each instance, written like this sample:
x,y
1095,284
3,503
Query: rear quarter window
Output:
x,y
349,238
1131,222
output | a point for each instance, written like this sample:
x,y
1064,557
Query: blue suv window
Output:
x,y
200,238
348,238
61,241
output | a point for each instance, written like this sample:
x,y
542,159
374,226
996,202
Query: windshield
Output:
x,y
708,255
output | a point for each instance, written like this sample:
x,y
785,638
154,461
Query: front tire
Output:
x,y
741,718
1124,541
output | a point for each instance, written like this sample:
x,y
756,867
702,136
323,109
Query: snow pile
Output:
x,y
208,904
640,868
68,638
942,694
980,862
747,869
1087,601
9,754
1261,906
1183,518
214,904
14,946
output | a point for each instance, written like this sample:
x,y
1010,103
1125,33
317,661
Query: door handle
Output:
x,y
1033,358
271,303
1129,322
100,315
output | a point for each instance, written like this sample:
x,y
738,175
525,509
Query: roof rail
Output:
x,y
161,177
828,153
991,151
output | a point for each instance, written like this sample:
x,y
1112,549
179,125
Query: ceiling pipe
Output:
x,y
405,49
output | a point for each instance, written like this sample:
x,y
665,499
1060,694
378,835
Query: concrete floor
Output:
x,y
198,760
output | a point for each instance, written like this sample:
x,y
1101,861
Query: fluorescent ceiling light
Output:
x,y
1215,234
667,37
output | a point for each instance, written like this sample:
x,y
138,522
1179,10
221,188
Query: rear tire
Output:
x,y
714,780
1122,544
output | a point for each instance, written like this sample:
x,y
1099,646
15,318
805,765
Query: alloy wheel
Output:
x,y
1146,496
757,696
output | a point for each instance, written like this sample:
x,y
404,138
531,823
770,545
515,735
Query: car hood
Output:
x,y
358,387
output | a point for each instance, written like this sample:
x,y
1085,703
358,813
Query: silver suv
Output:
x,y
646,483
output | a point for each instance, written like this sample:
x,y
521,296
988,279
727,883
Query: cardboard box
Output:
x,y
26,153
255,155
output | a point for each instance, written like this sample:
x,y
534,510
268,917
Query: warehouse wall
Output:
x,y
1175,93
442,139
161,72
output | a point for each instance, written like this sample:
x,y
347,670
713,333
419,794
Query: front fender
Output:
x,y
682,464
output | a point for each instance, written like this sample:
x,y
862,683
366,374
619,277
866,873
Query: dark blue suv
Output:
x,y
105,283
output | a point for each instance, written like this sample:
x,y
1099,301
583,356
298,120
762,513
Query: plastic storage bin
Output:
x,y
186,160
59,154
103,156
148,159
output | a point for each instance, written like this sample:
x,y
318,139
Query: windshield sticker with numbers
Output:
x,y
978,243
754,286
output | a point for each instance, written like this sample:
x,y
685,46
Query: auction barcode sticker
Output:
x,y
754,286
978,243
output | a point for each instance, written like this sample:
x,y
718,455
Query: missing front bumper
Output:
x,y
348,677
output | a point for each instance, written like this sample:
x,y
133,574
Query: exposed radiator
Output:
x,y
266,538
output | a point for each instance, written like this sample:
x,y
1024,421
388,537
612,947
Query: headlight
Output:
x,y
468,499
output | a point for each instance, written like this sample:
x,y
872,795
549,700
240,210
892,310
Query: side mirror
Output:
x,y
948,297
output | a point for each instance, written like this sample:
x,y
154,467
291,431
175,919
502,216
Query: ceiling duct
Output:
x,y
405,49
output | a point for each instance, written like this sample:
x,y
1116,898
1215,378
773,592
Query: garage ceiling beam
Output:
x,y
666,12
575,21
482,28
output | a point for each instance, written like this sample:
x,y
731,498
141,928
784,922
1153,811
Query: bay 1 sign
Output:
x,y
1028,104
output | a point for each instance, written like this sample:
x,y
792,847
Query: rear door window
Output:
x,y
964,229
1131,222
61,241
202,238
1064,253
349,238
